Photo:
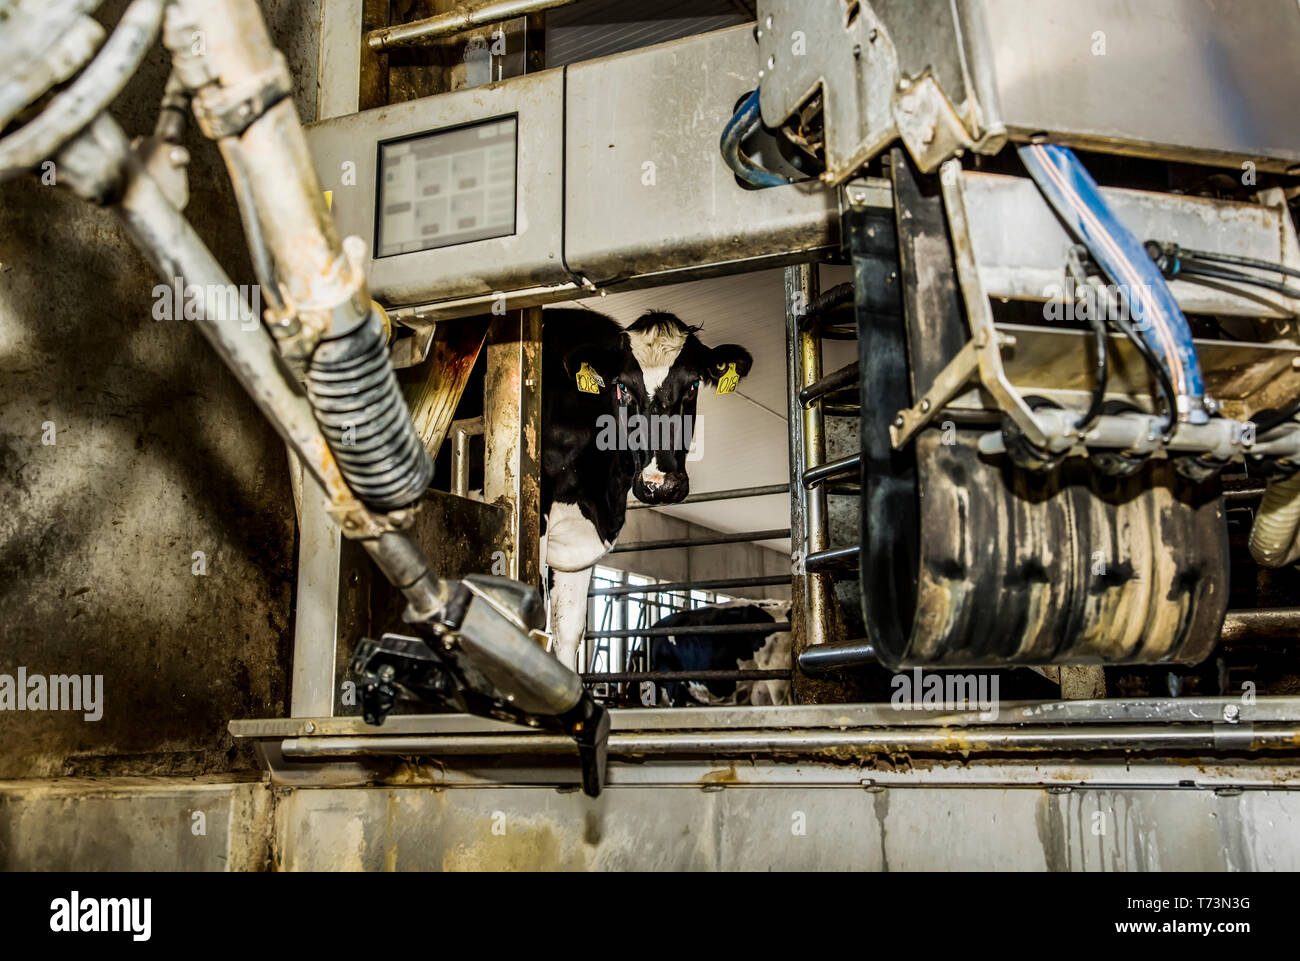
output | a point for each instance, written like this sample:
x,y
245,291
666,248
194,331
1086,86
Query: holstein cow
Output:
x,y
762,649
618,414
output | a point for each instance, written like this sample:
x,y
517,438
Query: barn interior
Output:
x,y
996,541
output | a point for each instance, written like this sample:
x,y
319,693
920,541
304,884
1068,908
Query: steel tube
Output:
x,y
741,538
767,627
1261,623
843,377
834,559
175,251
964,741
727,495
844,465
722,584
455,21
837,656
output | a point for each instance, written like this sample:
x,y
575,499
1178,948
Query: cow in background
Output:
x,y
618,415
762,649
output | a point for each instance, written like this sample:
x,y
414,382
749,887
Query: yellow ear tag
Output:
x,y
589,382
729,381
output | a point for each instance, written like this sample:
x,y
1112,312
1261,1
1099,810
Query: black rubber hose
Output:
x,y
361,412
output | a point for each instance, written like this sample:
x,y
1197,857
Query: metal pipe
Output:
x,y
467,17
727,495
1244,494
834,559
715,585
813,606
824,304
97,86
837,656
173,248
844,465
843,377
960,741
666,676
1260,623
238,73
768,627
712,540
461,432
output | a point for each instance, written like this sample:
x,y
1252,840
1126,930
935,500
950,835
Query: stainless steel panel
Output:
x,y
1021,246
1191,80
529,257
646,189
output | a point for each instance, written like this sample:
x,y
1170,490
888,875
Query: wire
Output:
x,y
1239,260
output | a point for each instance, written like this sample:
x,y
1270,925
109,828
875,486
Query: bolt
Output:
x,y
178,156
925,407
899,421
309,727
928,134
1231,713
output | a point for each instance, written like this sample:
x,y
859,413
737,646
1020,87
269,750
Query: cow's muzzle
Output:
x,y
662,488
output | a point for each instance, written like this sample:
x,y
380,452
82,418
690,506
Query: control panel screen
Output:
x,y
448,187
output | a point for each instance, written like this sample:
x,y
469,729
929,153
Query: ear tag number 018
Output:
x,y
589,382
728,382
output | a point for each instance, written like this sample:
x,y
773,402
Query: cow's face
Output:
x,y
655,376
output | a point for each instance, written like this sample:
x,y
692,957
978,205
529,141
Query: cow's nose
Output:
x,y
674,488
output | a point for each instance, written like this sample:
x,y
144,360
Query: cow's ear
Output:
x,y
605,359
721,360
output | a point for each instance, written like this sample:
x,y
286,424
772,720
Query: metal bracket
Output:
x,y
945,387
988,343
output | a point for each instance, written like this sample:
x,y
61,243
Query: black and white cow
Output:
x,y
618,414
760,649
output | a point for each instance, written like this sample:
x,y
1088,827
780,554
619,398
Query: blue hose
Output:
x,y
1072,192
745,122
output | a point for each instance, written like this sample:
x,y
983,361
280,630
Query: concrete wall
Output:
x,y
157,454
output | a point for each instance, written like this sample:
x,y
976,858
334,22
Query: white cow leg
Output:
x,y
569,613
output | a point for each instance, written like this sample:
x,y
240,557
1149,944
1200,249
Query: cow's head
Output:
x,y
654,374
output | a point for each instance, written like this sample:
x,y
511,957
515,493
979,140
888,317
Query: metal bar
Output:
x,y
844,465
727,495
768,627
821,305
512,438
724,584
633,676
843,377
1150,711
742,538
1261,623
1030,739
466,17
461,432
837,656
812,606
835,559
1244,494
841,410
